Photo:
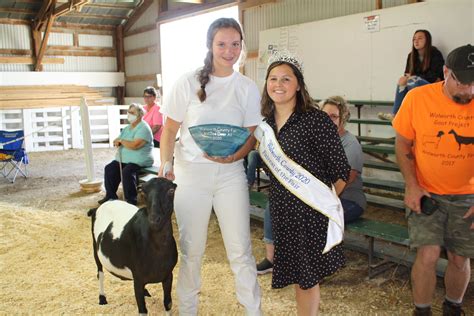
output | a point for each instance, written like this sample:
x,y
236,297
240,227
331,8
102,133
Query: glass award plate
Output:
x,y
219,140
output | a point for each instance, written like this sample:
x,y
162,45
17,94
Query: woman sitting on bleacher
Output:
x,y
424,65
352,197
135,151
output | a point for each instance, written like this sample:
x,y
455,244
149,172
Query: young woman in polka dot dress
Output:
x,y
308,137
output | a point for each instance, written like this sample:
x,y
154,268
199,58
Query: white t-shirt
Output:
x,y
233,100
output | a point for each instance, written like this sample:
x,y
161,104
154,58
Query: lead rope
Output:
x,y
119,151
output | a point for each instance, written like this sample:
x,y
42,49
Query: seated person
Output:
x,y
153,116
424,65
135,151
253,162
352,198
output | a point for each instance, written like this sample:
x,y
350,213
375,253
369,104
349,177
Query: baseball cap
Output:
x,y
461,62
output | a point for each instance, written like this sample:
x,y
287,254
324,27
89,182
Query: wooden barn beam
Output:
x,y
64,51
149,77
162,6
137,13
14,21
75,39
142,50
41,17
116,6
141,29
378,4
85,28
17,10
80,51
97,16
246,4
44,42
44,17
68,7
36,38
28,60
28,1
120,49
10,51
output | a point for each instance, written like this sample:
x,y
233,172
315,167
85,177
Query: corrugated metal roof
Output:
x,y
98,12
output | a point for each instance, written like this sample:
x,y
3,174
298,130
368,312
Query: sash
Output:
x,y
302,184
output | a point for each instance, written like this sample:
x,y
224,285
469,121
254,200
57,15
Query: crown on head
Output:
x,y
287,57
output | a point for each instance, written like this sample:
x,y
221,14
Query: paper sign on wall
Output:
x,y
372,23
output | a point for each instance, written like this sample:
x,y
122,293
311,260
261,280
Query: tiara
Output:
x,y
286,57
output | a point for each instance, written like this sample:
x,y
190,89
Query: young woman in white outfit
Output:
x,y
212,94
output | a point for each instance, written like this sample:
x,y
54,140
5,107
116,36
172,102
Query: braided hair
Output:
x,y
203,74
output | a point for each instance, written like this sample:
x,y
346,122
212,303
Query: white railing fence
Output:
x,y
59,128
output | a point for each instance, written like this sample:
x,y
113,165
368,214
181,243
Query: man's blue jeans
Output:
x,y
412,83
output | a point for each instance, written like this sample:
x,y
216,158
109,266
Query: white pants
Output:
x,y
224,187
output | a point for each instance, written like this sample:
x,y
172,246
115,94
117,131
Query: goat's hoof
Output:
x,y
168,307
102,300
146,293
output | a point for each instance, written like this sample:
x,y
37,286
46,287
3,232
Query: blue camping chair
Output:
x,y
13,158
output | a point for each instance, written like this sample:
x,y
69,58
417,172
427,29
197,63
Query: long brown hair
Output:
x,y
414,55
304,102
203,74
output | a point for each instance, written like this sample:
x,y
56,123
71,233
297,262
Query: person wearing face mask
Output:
x,y
435,151
135,145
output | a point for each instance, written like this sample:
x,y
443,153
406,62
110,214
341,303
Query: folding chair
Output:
x,y
13,158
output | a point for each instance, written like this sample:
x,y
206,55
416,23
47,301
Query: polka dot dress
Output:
x,y
311,140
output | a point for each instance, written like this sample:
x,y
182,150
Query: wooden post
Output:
x,y
120,61
241,19
162,6
120,49
137,13
75,39
121,95
378,4
44,43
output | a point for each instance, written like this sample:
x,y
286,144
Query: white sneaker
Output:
x,y
385,116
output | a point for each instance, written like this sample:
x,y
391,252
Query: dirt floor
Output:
x,y
47,267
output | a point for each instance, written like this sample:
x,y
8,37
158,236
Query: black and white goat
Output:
x,y
137,244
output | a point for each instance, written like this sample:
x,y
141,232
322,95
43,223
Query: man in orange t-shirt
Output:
x,y
435,151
